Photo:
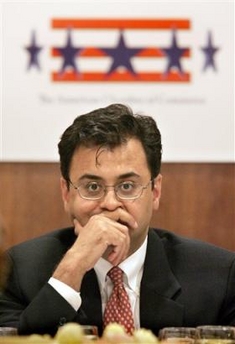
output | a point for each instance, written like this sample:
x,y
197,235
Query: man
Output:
x,y
111,183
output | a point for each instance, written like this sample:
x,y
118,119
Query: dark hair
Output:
x,y
111,126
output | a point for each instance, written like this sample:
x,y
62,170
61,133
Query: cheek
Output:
x,y
145,215
142,211
148,208
82,210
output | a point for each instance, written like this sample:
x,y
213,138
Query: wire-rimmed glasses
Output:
x,y
95,190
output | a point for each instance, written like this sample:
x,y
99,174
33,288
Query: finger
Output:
x,y
77,226
128,221
117,255
126,218
123,217
119,251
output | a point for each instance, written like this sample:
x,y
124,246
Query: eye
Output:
x,y
127,187
93,187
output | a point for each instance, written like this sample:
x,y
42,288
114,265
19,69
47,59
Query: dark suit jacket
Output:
x,y
185,283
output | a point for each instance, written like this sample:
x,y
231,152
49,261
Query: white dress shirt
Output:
x,y
133,271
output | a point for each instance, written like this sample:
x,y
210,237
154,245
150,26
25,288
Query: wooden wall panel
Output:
x,y
30,201
198,201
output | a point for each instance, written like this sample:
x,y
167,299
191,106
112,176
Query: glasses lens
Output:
x,y
91,190
128,190
125,190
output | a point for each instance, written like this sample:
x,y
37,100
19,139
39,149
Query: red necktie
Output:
x,y
118,308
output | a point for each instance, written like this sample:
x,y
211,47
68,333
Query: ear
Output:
x,y
157,187
64,192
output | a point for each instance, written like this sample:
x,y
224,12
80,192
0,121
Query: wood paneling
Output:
x,y
30,201
198,201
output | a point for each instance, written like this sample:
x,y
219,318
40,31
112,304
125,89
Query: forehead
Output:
x,y
128,157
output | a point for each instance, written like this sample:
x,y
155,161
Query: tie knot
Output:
x,y
116,275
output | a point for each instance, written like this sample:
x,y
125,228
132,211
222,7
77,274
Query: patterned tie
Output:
x,y
118,308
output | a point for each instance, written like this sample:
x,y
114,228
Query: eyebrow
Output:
x,y
95,177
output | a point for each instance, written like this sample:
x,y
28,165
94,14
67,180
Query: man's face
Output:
x,y
111,168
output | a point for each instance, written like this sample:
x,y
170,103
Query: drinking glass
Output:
x,y
212,334
181,335
90,332
8,331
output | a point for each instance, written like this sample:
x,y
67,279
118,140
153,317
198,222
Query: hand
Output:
x,y
105,234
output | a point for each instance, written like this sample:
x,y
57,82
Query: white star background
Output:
x,y
196,118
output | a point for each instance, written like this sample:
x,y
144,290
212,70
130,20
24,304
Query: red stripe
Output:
x,y
86,52
163,24
120,77
95,52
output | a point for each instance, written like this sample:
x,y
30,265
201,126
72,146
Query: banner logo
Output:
x,y
121,59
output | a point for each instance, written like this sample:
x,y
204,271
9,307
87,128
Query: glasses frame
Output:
x,y
143,187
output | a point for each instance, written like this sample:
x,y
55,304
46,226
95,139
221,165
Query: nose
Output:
x,y
110,201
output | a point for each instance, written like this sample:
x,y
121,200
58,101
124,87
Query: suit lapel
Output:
x,y
159,288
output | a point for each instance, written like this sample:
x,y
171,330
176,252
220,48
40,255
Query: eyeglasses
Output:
x,y
94,190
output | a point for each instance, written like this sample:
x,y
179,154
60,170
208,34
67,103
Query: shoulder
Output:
x,y
33,261
56,241
184,248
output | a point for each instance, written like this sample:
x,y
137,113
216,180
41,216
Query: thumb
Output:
x,y
77,226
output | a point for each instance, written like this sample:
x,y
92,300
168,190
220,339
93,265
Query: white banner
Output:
x,y
171,60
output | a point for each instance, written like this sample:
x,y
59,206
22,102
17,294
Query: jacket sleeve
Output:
x,y
228,309
40,311
44,314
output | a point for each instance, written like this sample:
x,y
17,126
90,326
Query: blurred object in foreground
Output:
x,y
186,335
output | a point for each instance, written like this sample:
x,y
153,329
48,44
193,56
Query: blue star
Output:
x,y
174,53
209,52
121,55
69,53
33,50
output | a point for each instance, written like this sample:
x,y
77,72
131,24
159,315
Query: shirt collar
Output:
x,y
131,267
